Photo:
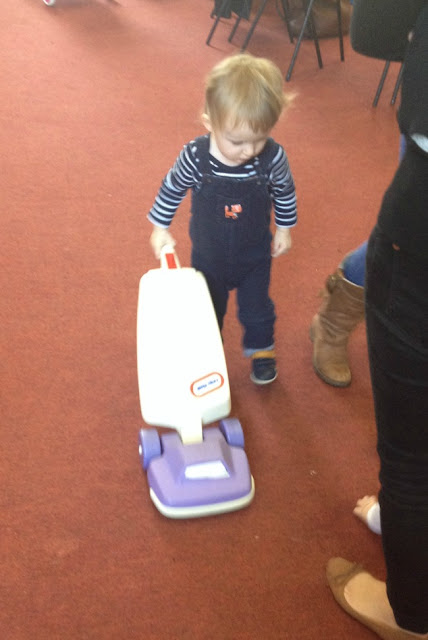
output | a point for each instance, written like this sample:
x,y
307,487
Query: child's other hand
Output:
x,y
281,242
159,238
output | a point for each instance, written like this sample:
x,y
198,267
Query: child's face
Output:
x,y
236,145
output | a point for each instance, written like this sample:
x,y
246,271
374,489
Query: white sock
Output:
x,y
373,518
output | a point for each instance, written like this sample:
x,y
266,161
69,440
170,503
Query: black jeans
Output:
x,y
397,332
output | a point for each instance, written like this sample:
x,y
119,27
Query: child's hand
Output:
x,y
159,238
281,242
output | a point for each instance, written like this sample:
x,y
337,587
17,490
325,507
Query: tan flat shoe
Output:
x,y
339,573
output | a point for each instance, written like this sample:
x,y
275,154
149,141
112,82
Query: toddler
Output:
x,y
236,172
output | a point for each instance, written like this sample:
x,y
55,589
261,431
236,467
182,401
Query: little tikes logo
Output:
x,y
233,211
208,383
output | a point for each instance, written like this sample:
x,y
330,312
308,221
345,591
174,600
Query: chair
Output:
x,y
309,22
228,6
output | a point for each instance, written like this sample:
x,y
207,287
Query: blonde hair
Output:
x,y
243,89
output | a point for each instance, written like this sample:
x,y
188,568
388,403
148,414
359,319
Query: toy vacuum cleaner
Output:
x,y
193,470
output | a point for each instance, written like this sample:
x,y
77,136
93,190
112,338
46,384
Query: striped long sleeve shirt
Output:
x,y
185,175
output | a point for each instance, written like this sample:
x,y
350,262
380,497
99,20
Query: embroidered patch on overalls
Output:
x,y
233,211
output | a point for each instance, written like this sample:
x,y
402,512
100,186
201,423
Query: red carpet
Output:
x,y
98,98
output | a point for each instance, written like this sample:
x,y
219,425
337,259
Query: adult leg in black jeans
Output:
x,y
397,330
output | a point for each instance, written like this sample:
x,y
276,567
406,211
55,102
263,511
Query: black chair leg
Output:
x,y
397,85
313,34
254,24
381,83
299,41
239,18
339,27
224,7
235,26
285,16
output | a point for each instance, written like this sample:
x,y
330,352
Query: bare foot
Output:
x,y
368,511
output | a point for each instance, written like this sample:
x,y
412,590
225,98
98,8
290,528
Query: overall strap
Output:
x,y
202,144
266,157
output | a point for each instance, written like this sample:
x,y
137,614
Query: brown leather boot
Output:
x,y
341,310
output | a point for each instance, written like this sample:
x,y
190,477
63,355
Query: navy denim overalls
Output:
x,y
231,243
